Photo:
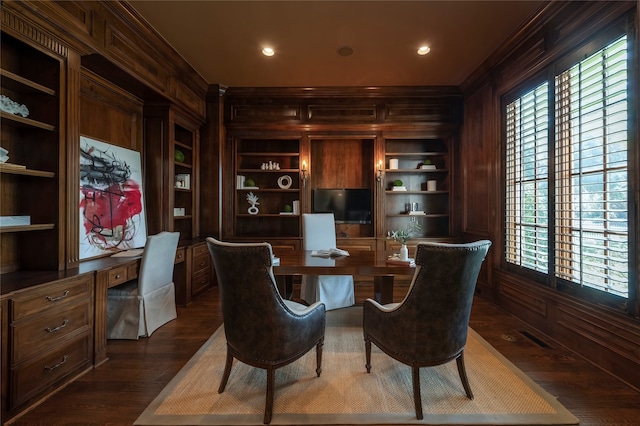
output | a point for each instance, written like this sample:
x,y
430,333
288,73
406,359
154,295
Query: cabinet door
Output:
x,y
417,185
30,178
267,190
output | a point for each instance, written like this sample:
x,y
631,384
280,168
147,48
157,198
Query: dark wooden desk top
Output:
x,y
21,280
357,263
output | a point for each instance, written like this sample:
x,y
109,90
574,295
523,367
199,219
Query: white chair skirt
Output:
x,y
335,291
129,316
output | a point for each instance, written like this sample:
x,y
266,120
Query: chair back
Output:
x,y
156,267
318,231
254,313
438,303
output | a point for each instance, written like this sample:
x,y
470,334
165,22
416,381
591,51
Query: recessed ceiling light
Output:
x,y
267,51
345,51
423,50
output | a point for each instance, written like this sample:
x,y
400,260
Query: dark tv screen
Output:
x,y
350,205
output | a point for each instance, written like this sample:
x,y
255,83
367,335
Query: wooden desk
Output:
x,y
299,262
110,271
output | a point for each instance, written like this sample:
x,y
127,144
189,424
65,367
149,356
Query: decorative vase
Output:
x,y
404,252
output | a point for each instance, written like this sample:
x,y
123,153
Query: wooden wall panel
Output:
x,y
109,114
353,157
476,168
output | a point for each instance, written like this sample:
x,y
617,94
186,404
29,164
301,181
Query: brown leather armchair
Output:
x,y
429,327
262,329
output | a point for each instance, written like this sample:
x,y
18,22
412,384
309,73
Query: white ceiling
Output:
x,y
222,39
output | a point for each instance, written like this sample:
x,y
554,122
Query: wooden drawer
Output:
x,y
200,281
180,255
53,368
33,336
200,249
118,276
200,263
65,292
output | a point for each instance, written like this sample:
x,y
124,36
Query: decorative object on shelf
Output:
x,y
284,182
432,185
178,156
178,211
287,209
296,207
13,107
15,220
249,184
427,165
380,172
183,181
304,174
253,200
393,163
4,155
411,207
111,199
270,166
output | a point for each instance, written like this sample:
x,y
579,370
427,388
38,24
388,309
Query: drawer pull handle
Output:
x,y
54,329
53,367
118,277
55,299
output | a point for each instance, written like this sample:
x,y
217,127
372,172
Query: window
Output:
x,y
573,141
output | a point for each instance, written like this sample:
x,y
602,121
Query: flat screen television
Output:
x,y
348,205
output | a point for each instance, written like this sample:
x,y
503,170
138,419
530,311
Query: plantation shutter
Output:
x,y
591,211
527,140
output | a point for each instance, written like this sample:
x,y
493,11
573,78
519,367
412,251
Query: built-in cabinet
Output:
x,y
50,337
267,187
31,207
357,141
416,185
171,170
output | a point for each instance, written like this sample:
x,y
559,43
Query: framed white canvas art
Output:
x,y
112,216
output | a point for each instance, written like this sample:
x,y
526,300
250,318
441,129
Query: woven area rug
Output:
x,y
346,394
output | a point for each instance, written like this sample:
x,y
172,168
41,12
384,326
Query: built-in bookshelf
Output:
x,y
32,225
267,173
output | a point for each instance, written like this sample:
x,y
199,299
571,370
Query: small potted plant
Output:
x,y
397,185
403,235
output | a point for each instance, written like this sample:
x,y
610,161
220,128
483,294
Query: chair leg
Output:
x,y
417,398
367,347
319,357
227,371
268,408
463,375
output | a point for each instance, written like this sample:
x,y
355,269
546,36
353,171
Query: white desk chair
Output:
x,y
139,307
335,291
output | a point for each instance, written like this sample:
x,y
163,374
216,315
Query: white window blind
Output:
x,y
527,180
591,205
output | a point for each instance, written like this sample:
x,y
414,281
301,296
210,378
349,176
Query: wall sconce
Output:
x,y
304,174
380,172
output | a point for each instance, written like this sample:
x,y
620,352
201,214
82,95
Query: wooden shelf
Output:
x,y
16,120
26,228
27,172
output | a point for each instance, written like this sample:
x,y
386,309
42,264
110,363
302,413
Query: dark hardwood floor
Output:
x,y
119,390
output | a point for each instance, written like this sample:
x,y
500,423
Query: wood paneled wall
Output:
x,y
609,338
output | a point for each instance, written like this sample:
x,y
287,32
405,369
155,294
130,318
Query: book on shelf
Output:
x,y
417,213
399,188
183,181
397,261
